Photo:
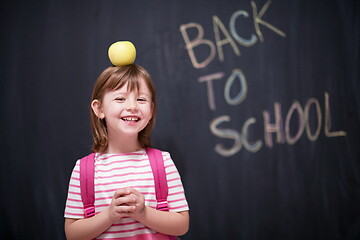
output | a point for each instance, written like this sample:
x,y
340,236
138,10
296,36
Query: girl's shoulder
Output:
x,y
165,154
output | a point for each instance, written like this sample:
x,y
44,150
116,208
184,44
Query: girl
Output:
x,y
123,111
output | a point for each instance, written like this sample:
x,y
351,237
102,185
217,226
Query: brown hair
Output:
x,y
113,78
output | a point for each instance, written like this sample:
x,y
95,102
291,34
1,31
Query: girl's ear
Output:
x,y
96,107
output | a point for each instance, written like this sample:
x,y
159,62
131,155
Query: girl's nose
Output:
x,y
131,105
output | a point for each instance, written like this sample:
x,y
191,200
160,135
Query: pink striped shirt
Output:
x,y
116,171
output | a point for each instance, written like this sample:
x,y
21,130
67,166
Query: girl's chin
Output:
x,y
130,132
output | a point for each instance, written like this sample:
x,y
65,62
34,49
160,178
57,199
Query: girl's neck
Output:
x,y
123,144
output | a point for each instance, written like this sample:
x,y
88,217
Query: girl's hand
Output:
x,y
131,203
123,204
139,203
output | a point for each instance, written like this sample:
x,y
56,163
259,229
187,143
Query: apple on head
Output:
x,y
122,53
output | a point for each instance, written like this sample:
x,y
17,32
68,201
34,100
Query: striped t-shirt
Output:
x,y
116,171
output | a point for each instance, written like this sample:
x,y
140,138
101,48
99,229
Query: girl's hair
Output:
x,y
113,78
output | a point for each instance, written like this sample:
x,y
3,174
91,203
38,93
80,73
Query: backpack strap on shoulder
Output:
x,y
158,169
87,184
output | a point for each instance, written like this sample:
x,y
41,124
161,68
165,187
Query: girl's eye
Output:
x,y
141,100
120,99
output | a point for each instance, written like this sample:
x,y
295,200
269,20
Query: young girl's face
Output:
x,y
126,112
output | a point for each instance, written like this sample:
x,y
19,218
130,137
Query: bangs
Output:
x,y
123,75
114,78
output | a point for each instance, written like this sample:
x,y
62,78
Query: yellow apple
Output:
x,y
122,53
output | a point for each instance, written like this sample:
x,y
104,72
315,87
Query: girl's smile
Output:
x,y
131,120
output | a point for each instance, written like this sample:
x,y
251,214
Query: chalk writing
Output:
x,y
242,41
294,107
258,20
328,120
288,130
218,25
277,127
210,88
219,43
237,73
313,137
199,40
282,133
225,133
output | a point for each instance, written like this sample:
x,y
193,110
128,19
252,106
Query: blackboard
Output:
x,y
258,104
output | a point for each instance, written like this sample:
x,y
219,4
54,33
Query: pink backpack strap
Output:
x,y
158,169
87,184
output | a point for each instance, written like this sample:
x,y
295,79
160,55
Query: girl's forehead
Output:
x,y
140,87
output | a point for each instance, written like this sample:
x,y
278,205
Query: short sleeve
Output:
x,y
176,196
74,207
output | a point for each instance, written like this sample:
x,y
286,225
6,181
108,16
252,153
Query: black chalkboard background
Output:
x,y
290,68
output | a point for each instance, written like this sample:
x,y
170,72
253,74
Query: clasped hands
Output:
x,y
126,202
